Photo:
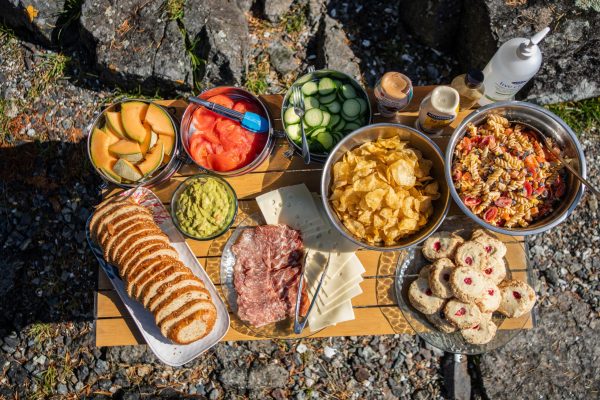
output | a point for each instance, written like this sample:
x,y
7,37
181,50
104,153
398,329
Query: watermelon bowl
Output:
x,y
220,145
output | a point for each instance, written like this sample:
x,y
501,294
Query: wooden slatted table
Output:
x,y
375,309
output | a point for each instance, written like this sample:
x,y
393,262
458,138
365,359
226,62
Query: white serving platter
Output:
x,y
168,352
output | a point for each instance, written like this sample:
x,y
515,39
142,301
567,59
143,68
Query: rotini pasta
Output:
x,y
505,175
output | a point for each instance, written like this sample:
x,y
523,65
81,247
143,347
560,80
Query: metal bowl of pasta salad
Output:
x,y
504,178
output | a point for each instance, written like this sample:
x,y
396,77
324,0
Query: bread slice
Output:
x,y
126,242
118,211
101,211
142,282
190,305
177,298
191,328
118,238
166,276
120,223
139,246
167,288
152,253
135,275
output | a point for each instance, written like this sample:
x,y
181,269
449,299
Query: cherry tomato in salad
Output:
x,y
490,214
472,201
503,202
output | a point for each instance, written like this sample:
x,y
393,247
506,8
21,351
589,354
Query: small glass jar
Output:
x,y
393,92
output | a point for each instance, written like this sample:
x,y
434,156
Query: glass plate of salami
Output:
x,y
261,269
465,290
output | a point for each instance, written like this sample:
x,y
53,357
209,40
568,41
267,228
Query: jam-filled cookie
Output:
x,y
424,272
480,334
441,245
462,315
422,298
468,284
494,269
490,299
493,247
439,320
518,298
439,278
470,254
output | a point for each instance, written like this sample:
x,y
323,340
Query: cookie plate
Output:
x,y
168,352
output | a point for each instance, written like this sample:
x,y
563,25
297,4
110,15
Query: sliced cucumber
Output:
x,y
338,84
340,125
348,91
328,98
326,86
335,118
293,131
290,116
351,108
363,105
337,136
310,88
325,139
311,102
313,117
334,107
316,131
351,126
326,118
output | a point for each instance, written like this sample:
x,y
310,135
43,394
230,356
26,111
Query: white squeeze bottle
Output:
x,y
513,65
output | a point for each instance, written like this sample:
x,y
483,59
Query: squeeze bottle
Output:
x,y
513,65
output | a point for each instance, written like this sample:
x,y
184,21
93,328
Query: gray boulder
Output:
x,y
433,21
45,16
220,30
135,48
333,49
282,58
275,9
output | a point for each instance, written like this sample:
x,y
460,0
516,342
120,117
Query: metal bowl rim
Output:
x,y
325,190
459,131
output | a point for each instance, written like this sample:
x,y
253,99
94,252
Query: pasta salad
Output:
x,y
505,175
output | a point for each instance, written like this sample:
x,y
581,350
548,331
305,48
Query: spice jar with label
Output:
x,y
438,110
393,92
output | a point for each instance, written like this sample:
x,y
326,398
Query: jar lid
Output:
x,y
474,77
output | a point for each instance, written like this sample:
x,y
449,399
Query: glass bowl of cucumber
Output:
x,y
335,104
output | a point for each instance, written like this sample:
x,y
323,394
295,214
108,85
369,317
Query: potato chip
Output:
x,y
382,191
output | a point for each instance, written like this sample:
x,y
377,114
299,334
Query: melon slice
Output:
x,y
127,170
127,150
111,173
132,116
158,118
153,139
153,160
113,120
145,145
114,138
101,157
169,142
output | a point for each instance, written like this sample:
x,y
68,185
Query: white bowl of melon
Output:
x,y
134,142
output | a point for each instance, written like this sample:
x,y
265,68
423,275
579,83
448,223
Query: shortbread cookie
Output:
x,y
518,298
490,300
468,284
439,278
493,247
462,315
422,298
441,245
470,254
439,320
494,269
424,272
480,334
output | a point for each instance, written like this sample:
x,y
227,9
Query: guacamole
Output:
x,y
205,208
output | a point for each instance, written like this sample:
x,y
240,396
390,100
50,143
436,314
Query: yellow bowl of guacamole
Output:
x,y
203,206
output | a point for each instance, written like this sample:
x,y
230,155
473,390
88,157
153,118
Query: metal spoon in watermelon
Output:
x,y
249,120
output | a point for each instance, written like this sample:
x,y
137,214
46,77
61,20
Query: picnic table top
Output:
x,y
375,309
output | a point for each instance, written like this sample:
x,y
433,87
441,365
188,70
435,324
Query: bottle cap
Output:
x,y
526,49
474,77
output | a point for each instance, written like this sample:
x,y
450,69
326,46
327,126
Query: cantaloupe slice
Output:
x,y
145,145
158,118
153,160
169,142
113,121
101,157
127,170
132,116
127,150
111,173
153,139
114,138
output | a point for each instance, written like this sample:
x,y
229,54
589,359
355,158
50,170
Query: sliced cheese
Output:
x,y
325,303
318,320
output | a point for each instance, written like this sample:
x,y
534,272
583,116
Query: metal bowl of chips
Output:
x,y
428,151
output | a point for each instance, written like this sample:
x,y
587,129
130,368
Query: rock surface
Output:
x,y
38,17
334,51
275,9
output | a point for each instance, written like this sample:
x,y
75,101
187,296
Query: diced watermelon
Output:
x,y
222,100
203,119
244,105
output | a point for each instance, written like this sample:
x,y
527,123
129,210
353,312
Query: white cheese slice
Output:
x,y
341,313
330,303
